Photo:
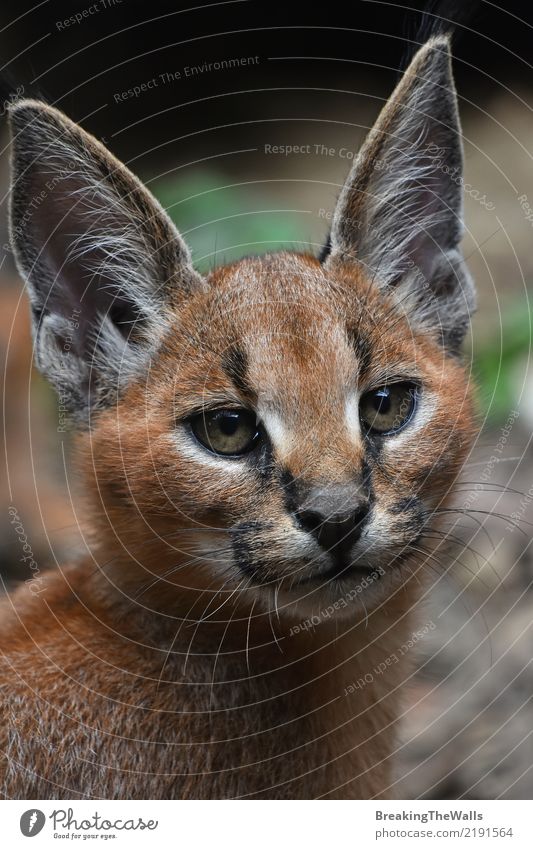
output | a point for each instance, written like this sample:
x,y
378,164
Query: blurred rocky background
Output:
x,y
203,104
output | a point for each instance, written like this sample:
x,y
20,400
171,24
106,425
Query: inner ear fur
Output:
x,y
400,212
102,260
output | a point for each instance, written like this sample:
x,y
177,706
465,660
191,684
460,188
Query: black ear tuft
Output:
x,y
400,213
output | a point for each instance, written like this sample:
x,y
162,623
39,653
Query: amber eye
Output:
x,y
226,432
388,409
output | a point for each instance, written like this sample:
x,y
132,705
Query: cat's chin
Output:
x,y
342,598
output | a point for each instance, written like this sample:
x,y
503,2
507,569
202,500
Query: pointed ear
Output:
x,y
400,212
102,260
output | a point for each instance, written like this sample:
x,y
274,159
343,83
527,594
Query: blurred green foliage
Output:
x,y
498,357
225,220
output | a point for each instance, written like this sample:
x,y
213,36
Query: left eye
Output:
x,y
388,409
226,432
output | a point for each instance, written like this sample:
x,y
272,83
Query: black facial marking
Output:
x,y
413,519
374,444
368,488
406,504
235,365
290,490
361,346
264,461
247,555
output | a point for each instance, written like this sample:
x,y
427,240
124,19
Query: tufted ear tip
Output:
x,y
400,212
22,110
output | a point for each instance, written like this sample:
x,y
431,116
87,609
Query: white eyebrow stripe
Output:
x,y
351,412
276,429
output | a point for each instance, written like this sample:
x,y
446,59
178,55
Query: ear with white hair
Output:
x,y
102,260
400,212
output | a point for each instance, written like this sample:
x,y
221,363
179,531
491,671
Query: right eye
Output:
x,y
388,409
230,433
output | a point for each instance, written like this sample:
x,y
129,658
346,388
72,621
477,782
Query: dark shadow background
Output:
x,y
357,47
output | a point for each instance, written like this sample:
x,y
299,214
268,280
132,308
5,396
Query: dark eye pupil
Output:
x,y
228,423
382,402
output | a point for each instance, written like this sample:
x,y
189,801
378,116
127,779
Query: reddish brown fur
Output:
x,y
101,696
171,661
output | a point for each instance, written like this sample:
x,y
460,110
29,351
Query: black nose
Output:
x,y
335,534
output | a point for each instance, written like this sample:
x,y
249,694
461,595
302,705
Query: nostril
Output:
x,y
359,516
310,521
335,533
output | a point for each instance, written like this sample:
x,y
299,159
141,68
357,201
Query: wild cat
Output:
x,y
266,453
